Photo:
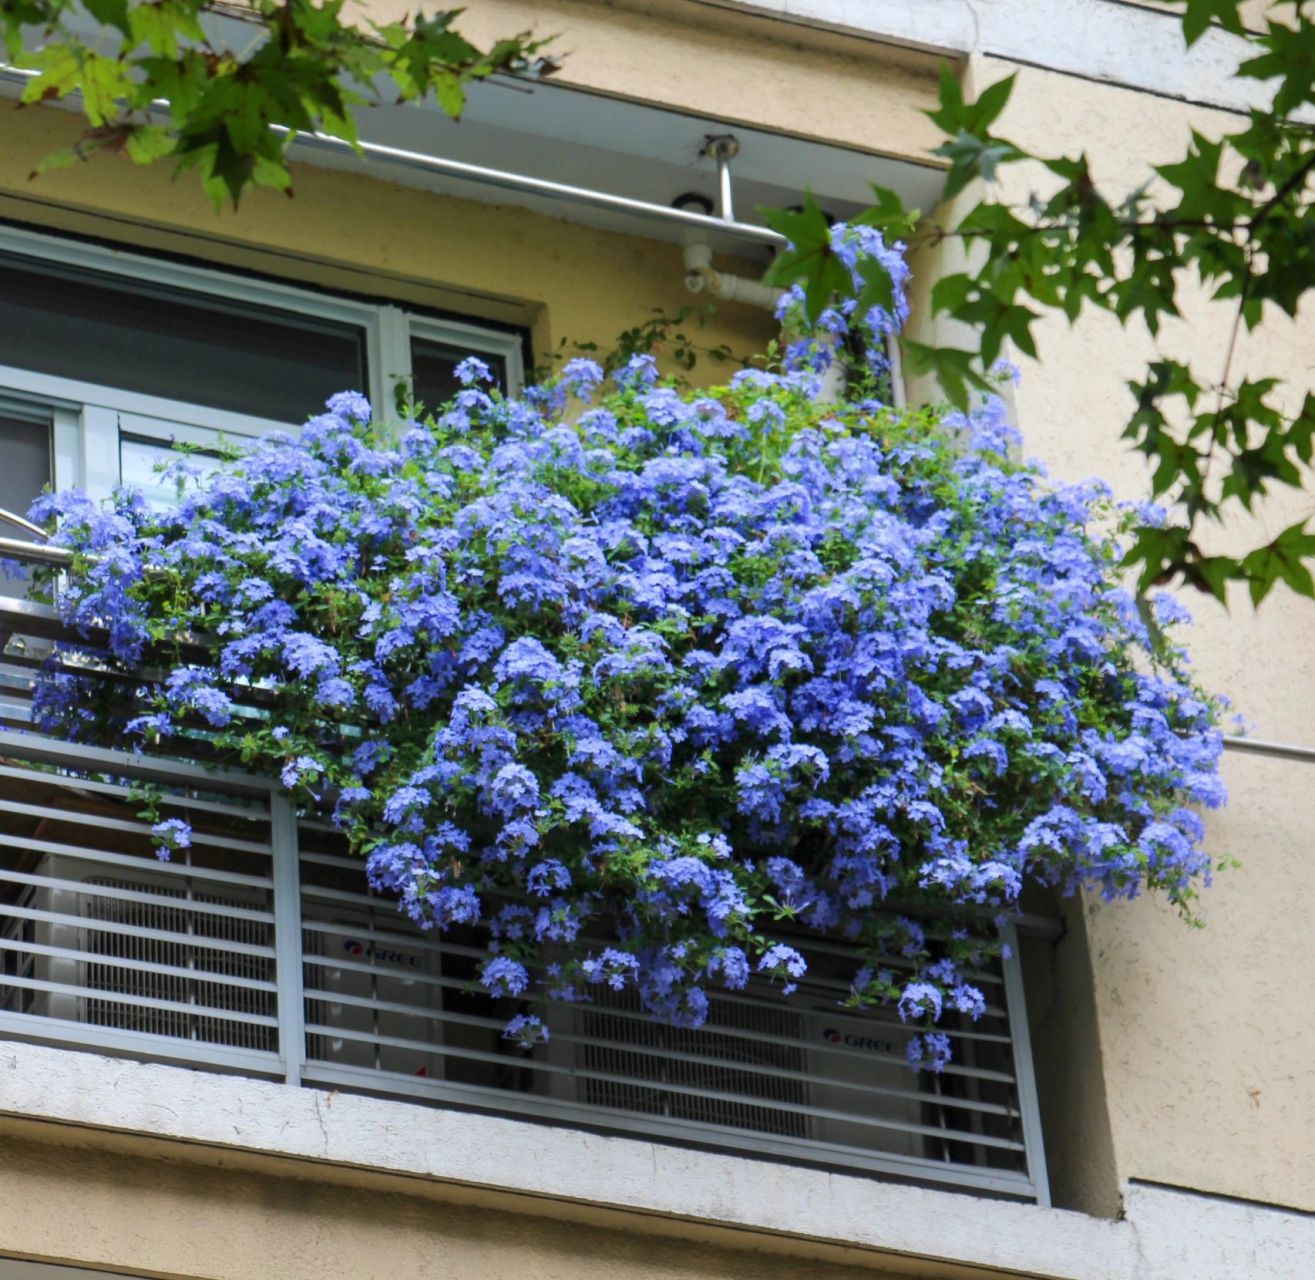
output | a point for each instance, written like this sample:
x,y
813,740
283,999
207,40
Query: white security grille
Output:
x,y
390,1009
259,950
696,1075
103,944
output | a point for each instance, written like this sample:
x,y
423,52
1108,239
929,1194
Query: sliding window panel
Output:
x,y
160,341
149,448
437,347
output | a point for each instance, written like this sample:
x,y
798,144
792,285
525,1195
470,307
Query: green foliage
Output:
x,y
154,81
1234,215
664,335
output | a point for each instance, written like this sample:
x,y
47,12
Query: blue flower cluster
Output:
x,y
655,689
859,249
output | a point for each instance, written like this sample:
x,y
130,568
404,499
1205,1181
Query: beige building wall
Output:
x,y
139,1207
1204,1035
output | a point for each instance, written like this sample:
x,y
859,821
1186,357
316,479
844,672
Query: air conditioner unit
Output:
x,y
134,939
385,1001
798,1069
371,986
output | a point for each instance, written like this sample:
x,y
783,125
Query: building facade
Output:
x,y
1158,1093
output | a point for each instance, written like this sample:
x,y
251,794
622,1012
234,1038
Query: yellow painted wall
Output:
x,y
358,233
148,1209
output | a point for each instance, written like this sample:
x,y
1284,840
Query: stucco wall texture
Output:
x,y
1205,1034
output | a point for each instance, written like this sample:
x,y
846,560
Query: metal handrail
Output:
x,y
505,180
10,517
35,553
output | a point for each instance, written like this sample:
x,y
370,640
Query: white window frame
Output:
x,y
87,415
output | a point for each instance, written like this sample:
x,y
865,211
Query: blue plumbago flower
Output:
x,y
472,370
583,377
526,1030
658,693
172,833
929,1051
504,977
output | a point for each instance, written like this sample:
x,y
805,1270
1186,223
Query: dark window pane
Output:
x,y
434,376
162,342
25,456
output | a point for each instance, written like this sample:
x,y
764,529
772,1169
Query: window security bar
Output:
x,y
259,950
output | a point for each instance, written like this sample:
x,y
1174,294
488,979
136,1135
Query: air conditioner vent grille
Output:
x,y
640,1049
175,914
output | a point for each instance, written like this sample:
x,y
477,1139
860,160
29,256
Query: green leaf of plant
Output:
x,y
952,367
809,258
983,113
1282,560
888,214
60,159
148,143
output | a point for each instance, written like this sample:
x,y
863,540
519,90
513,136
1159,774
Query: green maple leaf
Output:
x,y
808,258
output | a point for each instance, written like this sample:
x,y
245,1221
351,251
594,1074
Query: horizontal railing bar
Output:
x,y
424,946
79,818
482,175
823,983
661,1086
351,899
742,1141
664,1053
136,931
144,966
166,901
441,949
140,1044
72,782
136,999
638,1018
153,866
78,756
34,553
347,897
811,947
1275,750
337,861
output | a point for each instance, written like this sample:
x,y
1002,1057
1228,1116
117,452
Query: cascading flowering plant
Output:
x,y
657,688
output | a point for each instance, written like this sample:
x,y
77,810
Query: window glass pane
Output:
x,y
25,456
140,457
195,348
433,370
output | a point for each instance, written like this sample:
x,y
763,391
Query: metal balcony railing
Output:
x,y
259,950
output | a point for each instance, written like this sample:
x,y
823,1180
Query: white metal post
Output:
x,y
287,937
1024,1075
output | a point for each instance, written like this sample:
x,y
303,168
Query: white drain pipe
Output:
x,y
702,277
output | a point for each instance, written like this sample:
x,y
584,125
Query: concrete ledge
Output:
x,y
1166,1233
1117,42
